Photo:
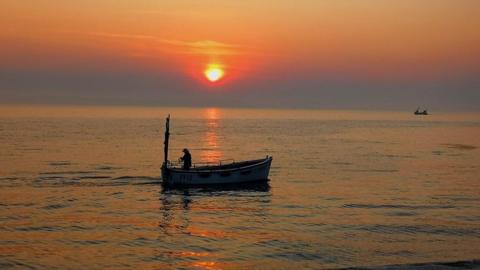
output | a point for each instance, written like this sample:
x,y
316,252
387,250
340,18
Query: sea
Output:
x,y
80,188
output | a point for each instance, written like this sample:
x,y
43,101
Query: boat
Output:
x,y
220,174
418,112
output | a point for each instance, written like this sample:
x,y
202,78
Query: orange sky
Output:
x,y
250,39
245,35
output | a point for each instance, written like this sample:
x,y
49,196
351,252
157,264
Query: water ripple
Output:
x,y
398,206
410,229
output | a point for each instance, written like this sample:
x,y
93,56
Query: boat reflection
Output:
x,y
176,205
260,186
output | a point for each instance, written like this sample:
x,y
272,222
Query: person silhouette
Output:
x,y
187,159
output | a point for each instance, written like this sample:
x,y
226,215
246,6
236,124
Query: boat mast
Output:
x,y
165,142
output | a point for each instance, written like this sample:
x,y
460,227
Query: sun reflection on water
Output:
x,y
208,265
211,146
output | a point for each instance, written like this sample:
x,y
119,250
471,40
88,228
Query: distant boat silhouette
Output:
x,y
230,173
418,112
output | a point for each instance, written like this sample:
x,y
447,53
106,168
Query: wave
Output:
x,y
58,180
456,265
397,206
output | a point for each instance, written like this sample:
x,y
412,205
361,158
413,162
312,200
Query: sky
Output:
x,y
323,54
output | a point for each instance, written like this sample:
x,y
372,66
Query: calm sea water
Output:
x,y
79,189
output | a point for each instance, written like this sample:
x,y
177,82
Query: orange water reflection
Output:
x,y
210,265
210,149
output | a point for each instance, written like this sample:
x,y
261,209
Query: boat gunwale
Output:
x,y
197,170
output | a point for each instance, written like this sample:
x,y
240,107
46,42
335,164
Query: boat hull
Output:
x,y
235,173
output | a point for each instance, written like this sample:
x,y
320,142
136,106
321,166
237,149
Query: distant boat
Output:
x,y
418,112
230,173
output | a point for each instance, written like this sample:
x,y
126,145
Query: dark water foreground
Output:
x,y
80,190
472,264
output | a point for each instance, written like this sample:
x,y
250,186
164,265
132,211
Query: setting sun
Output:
x,y
214,73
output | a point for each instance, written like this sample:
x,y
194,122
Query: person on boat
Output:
x,y
187,159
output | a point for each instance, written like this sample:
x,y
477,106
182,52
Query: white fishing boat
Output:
x,y
230,173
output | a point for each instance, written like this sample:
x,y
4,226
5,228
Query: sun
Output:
x,y
213,73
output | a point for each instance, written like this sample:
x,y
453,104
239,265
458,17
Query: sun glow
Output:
x,y
213,73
